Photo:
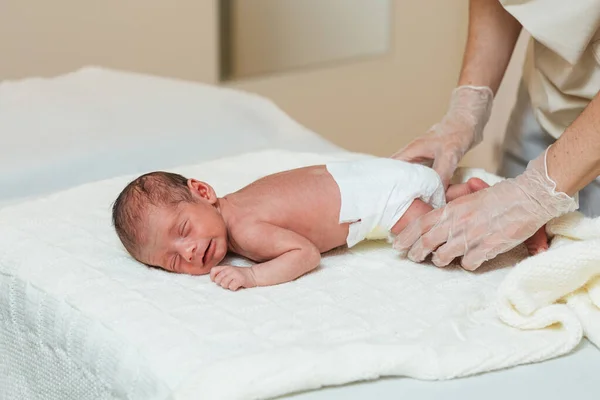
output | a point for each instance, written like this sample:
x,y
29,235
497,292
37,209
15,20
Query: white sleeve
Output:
x,y
565,27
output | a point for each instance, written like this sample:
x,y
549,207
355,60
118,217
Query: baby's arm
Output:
x,y
287,256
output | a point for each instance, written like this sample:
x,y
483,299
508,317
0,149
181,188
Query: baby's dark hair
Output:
x,y
152,189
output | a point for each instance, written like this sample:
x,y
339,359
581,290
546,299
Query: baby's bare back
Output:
x,y
305,200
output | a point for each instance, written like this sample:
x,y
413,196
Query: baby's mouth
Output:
x,y
205,256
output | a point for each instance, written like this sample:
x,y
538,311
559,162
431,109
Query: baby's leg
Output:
x,y
462,189
419,207
535,244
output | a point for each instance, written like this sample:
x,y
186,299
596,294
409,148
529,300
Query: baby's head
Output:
x,y
167,221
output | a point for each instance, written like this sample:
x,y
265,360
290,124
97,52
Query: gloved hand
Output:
x,y
482,225
443,146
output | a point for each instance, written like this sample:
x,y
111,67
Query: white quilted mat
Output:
x,y
81,320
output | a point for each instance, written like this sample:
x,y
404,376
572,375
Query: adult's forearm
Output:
x,y
574,160
492,36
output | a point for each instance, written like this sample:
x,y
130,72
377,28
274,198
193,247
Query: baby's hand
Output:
x,y
233,278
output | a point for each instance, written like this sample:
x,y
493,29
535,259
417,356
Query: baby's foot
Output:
x,y
538,243
535,244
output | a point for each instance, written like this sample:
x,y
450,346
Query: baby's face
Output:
x,y
190,238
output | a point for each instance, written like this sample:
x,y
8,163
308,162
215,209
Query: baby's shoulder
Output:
x,y
245,225
251,237
248,229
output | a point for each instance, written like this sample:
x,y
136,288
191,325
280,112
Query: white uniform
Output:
x,y
561,76
375,194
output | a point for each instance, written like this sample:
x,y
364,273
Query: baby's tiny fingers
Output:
x,y
227,281
215,271
235,285
221,276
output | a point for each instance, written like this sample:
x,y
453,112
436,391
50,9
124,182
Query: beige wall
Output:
x,y
165,37
279,35
374,105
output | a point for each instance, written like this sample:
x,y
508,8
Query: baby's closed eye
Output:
x,y
184,228
174,261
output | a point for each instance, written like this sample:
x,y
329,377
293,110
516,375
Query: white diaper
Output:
x,y
376,193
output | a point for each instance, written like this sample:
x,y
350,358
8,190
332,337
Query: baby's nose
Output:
x,y
189,252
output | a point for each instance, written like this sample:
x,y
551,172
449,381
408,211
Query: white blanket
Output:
x,y
559,289
75,309
97,123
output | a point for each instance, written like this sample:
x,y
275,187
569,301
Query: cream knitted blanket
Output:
x,y
559,289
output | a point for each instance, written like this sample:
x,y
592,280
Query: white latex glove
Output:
x,y
482,225
445,144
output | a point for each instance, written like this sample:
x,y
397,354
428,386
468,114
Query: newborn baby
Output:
x,y
283,221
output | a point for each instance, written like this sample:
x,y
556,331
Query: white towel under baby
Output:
x,y
375,194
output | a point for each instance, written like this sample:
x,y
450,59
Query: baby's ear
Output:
x,y
202,190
